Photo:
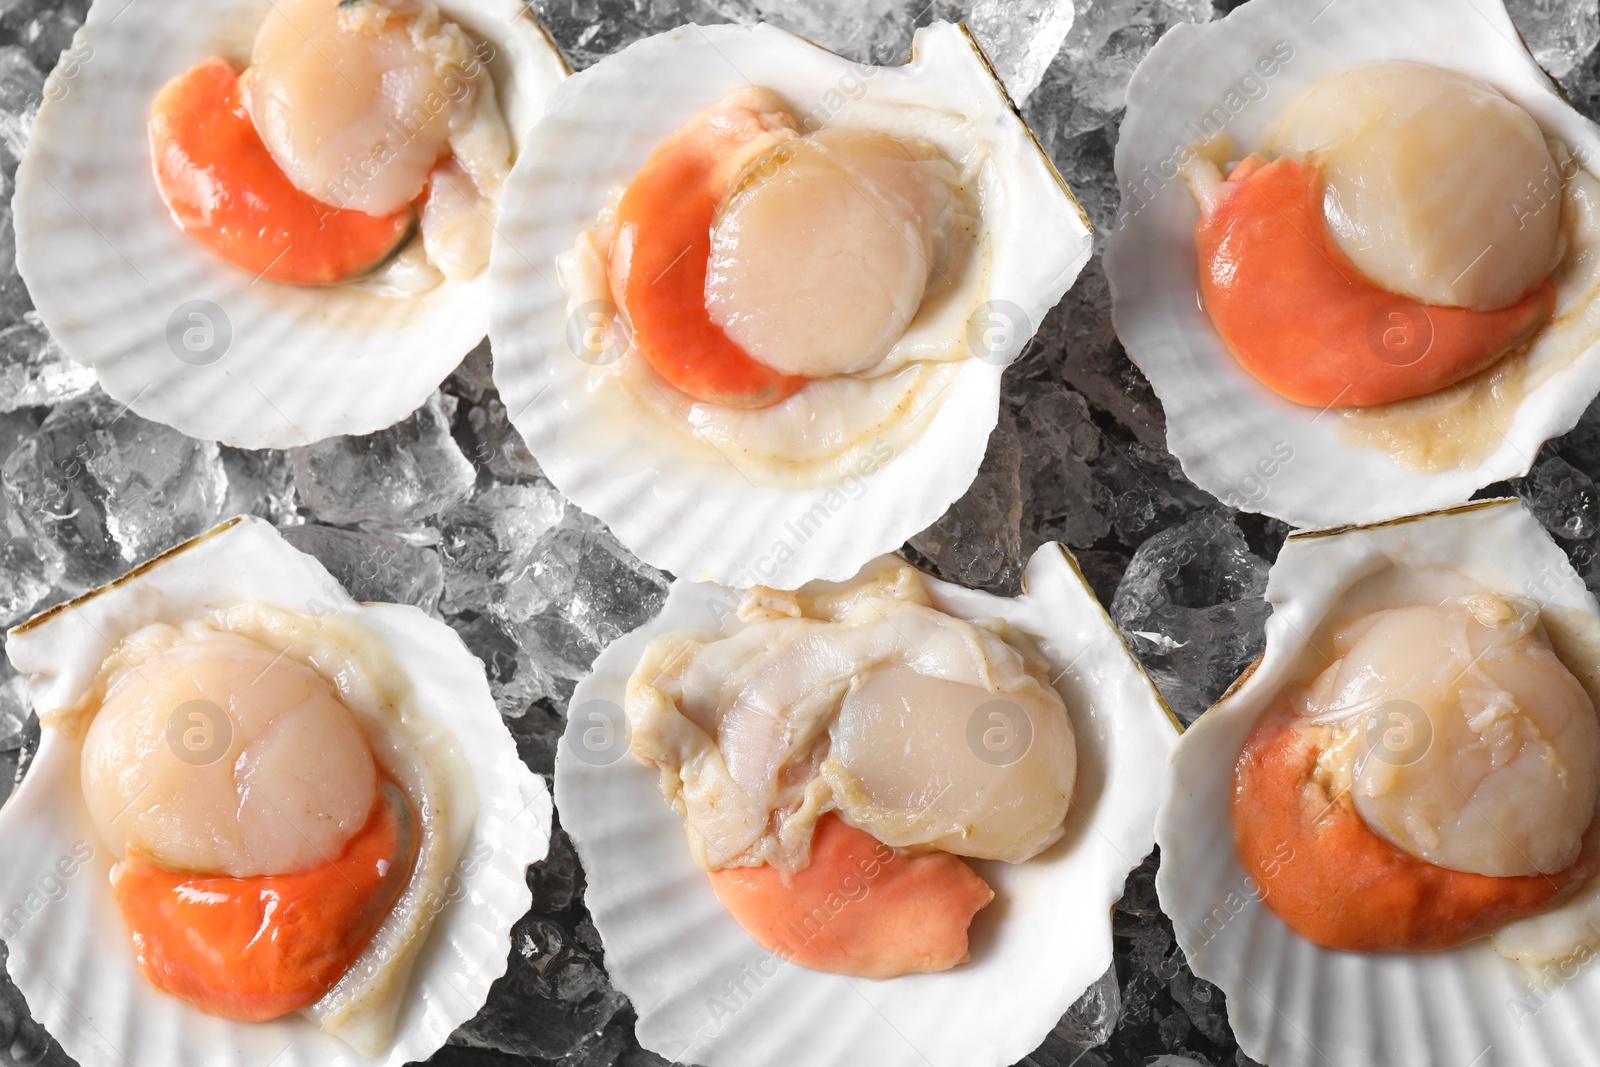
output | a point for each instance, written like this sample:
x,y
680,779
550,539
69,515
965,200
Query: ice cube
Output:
x,y
556,879
1093,362
866,30
978,541
577,591
34,371
393,478
536,732
260,482
1091,1019
553,1001
14,299
97,488
556,650
159,486
590,30
373,566
14,707
497,446
21,93
1148,489
490,545
517,674
612,591
1562,497
491,441
1560,33
1021,38
1060,447
25,1042
1086,86
1202,1002
44,27
24,578
54,502
1191,608
473,378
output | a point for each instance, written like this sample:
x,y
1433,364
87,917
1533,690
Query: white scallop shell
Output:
x,y
1223,425
705,520
109,271
673,949
70,953
1292,1003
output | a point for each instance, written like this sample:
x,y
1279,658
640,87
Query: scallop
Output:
x,y
421,95
399,102
833,299
1395,107
818,704
1400,203
863,709
896,768
723,408
293,784
1506,767
226,716
1442,669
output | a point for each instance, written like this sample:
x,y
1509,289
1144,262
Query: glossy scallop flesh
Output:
x,y
74,949
1338,1009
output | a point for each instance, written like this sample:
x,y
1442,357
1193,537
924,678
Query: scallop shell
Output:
x,y
116,281
1290,1002
69,951
1230,432
683,961
705,520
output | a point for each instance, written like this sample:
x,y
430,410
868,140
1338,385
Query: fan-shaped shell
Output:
x,y
70,954
706,993
1290,1002
704,519
118,284
1237,76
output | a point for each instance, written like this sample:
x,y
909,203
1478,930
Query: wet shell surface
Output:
x,y
263,365
70,953
1235,437
1291,1002
692,511
707,993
